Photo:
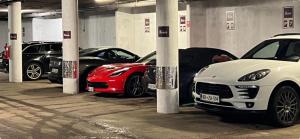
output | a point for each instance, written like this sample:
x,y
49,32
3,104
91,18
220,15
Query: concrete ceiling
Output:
x,y
39,6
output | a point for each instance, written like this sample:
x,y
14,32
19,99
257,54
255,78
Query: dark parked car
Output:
x,y
36,58
5,54
89,60
191,60
1,60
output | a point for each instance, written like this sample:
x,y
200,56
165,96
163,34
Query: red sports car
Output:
x,y
120,78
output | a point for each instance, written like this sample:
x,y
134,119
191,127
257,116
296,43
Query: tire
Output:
x,y
82,79
33,71
134,86
284,106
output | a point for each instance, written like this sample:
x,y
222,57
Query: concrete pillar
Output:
x,y
15,42
188,25
70,46
167,56
9,31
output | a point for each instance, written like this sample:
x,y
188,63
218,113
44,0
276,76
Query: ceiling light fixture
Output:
x,y
105,1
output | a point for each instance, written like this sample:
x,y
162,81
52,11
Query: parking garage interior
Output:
x,y
174,32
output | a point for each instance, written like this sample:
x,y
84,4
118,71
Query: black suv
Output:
x,y
36,58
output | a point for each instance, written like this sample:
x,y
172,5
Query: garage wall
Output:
x,y
98,31
131,35
47,29
27,35
198,24
3,34
256,20
27,30
125,31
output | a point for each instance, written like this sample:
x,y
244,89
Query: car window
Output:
x,y
56,47
102,54
32,49
269,51
111,55
45,48
293,49
122,54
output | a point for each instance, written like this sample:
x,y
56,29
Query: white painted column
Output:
x,y
9,31
167,56
70,46
15,42
188,25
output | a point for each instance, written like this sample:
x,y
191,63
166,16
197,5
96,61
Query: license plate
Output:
x,y
152,86
210,98
91,89
54,70
1,60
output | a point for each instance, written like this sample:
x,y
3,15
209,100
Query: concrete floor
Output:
x,y
38,110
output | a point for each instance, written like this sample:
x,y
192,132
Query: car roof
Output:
x,y
286,36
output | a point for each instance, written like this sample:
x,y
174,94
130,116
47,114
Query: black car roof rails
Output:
x,y
286,34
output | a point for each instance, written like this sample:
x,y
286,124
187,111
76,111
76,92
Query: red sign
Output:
x,y
67,35
188,23
13,36
75,71
182,20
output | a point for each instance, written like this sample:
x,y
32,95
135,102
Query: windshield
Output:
x,y
280,49
147,58
87,50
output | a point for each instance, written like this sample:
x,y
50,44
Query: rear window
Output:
x,y
32,49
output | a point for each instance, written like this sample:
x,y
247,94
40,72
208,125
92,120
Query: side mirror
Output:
x,y
293,58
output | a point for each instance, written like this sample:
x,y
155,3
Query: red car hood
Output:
x,y
107,70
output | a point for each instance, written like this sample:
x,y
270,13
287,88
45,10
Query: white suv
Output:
x,y
266,79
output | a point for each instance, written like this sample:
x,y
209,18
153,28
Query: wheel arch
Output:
x,y
132,74
35,61
284,83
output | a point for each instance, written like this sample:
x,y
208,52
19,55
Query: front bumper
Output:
x,y
238,100
115,86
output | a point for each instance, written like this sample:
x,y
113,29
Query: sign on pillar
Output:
x,y
167,56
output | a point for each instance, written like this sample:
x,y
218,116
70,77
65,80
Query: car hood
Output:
x,y
106,70
233,70
81,58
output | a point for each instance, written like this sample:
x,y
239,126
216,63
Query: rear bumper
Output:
x,y
56,77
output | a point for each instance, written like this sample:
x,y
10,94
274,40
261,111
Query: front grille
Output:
x,y
98,84
214,89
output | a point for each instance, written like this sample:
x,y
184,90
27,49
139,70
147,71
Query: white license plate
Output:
x,y
1,60
210,98
54,70
91,89
152,86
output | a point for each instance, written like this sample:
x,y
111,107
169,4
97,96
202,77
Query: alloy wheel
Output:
x,y
287,106
34,71
136,86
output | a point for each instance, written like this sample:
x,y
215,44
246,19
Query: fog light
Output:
x,y
246,86
249,104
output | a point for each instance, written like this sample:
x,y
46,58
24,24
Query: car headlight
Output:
x,y
119,72
254,76
201,70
